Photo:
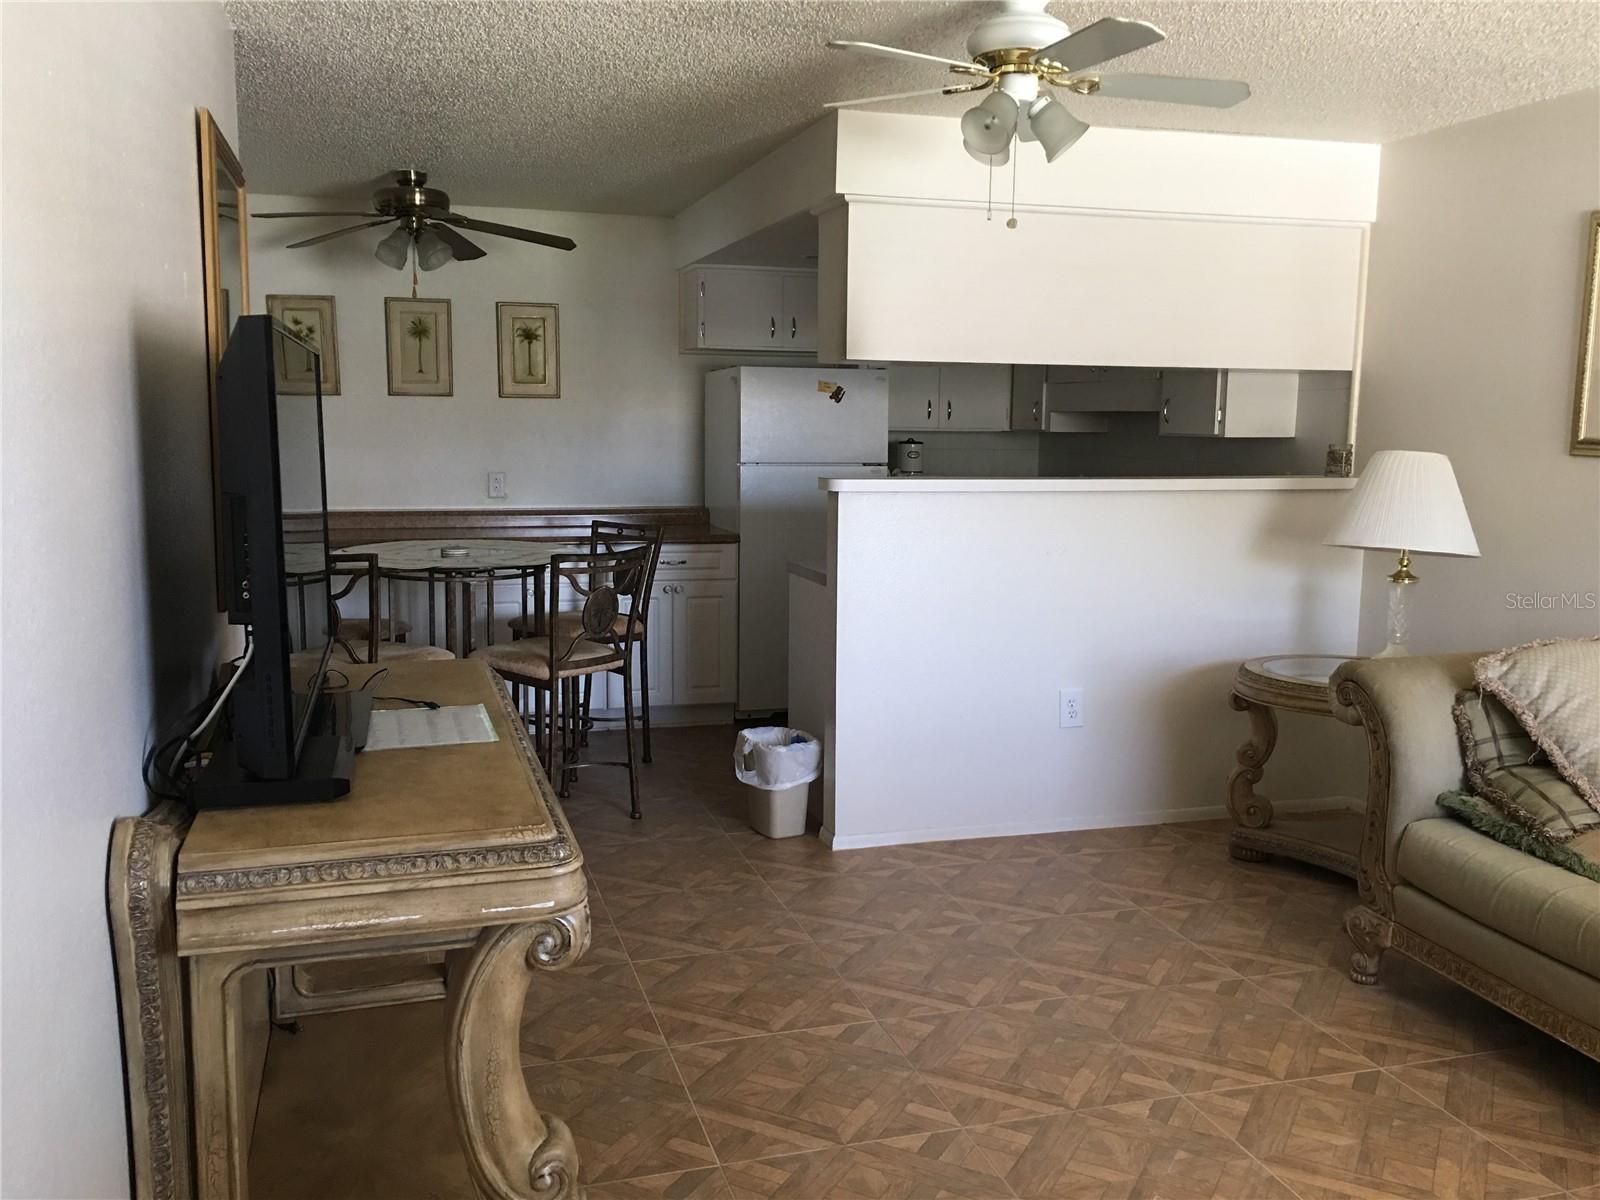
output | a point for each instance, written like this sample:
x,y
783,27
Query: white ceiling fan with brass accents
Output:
x,y
1021,47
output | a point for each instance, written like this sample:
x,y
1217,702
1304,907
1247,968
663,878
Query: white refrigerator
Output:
x,y
771,433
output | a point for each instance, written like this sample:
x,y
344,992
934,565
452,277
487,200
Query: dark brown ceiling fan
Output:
x,y
425,222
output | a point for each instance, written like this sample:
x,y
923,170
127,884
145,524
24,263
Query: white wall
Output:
x,y
947,725
1471,349
108,611
627,427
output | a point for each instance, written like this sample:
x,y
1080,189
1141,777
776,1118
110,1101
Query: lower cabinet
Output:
x,y
694,637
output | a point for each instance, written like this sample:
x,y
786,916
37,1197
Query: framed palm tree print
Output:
x,y
311,319
530,349
418,337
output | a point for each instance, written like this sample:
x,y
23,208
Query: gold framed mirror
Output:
x,y
225,253
1586,392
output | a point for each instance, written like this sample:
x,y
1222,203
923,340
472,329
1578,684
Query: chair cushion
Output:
x,y
1553,689
356,628
568,622
1506,769
528,659
1553,911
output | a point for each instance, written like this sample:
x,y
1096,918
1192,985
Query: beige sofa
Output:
x,y
1518,931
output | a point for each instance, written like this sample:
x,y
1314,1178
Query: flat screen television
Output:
x,y
282,741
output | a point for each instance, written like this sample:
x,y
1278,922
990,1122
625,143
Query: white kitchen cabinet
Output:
x,y
974,396
747,308
914,396
957,397
1229,404
798,319
694,632
705,641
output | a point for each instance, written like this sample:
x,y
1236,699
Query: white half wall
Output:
x,y
1474,293
961,614
626,428
109,620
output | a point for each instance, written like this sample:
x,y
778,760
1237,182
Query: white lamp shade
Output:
x,y
395,249
1055,127
1406,500
987,128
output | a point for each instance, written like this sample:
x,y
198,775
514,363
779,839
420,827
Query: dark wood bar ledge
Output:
x,y
351,527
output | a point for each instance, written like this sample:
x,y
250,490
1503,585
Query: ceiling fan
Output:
x,y
425,222
1021,47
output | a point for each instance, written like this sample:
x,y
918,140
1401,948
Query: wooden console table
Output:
x,y
462,849
1328,837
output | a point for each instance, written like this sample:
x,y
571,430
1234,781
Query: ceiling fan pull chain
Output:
x,y
413,269
1011,223
988,204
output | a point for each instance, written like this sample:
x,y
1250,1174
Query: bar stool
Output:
x,y
608,537
579,643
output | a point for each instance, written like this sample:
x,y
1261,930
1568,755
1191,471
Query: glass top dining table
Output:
x,y
458,564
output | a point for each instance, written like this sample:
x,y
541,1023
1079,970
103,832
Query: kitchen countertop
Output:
x,y
1222,483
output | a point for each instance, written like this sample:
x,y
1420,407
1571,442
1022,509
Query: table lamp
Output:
x,y
1407,501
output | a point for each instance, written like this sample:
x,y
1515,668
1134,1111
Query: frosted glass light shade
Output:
x,y
999,159
1406,500
1055,127
432,251
987,128
394,249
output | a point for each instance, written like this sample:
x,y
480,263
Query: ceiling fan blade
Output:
x,y
1107,38
460,247
955,64
323,213
322,237
953,90
510,231
1173,89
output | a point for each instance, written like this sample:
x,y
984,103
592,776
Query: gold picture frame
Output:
x,y
225,279
312,319
529,346
1586,391
417,337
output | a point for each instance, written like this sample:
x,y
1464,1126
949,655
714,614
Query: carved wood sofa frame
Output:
x,y
1401,790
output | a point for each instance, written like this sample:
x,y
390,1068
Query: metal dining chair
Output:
x,y
607,537
355,640
583,642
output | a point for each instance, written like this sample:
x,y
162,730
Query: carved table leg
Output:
x,y
512,1151
1372,933
226,1075
1249,810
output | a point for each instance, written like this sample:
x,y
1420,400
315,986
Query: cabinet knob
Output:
x,y
1166,414
930,410
949,409
794,326
1035,412
772,330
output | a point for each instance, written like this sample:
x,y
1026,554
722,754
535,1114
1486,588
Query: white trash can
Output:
x,y
777,764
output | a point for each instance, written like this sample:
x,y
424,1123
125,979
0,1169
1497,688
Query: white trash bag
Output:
x,y
777,764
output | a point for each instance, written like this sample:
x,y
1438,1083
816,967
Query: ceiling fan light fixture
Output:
x,y
394,249
987,128
998,159
1055,127
432,250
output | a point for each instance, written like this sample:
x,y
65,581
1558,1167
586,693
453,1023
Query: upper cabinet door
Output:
x,y
746,308
797,327
974,396
914,396
1191,404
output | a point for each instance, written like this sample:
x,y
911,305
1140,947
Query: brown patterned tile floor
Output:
x,y
1116,1014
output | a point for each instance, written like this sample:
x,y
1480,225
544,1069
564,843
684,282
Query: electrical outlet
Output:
x,y
497,485
1071,708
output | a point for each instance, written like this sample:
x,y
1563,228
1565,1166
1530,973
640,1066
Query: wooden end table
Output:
x,y
1328,837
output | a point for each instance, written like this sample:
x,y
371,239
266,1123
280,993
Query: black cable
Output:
x,y
430,705
177,735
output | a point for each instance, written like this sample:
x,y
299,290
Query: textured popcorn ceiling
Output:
x,y
642,106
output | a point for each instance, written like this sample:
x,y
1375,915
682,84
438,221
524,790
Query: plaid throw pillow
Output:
x,y
1506,768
